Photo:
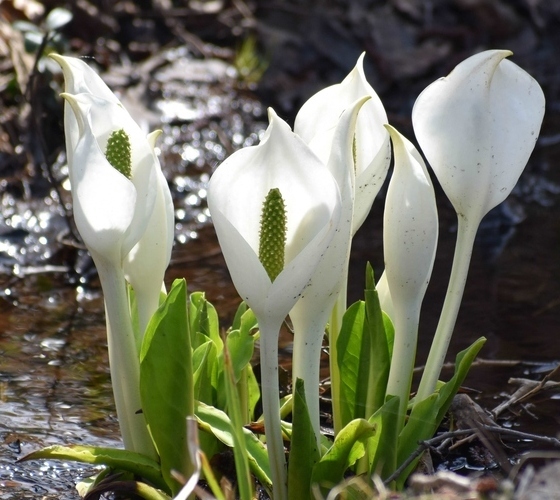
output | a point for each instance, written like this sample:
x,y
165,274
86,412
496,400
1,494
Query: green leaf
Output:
x,y
348,447
382,448
243,474
353,362
379,360
204,359
463,363
166,383
204,318
253,392
304,453
421,425
389,333
238,315
426,415
117,459
218,423
240,347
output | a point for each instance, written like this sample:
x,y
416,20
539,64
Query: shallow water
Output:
x,y
54,379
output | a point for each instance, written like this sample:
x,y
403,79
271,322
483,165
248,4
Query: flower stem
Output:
x,y
466,234
271,407
123,359
404,354
306,362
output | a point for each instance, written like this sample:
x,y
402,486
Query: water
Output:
x,y
54,378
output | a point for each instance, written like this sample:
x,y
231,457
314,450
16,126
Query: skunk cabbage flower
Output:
x,y
410,232
236,194
305,198
316,123
477,128
112,166
118,193
146,263
311,313
111,208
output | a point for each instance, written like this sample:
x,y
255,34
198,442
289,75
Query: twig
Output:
x,y
528,389
485,362
430,443
541,384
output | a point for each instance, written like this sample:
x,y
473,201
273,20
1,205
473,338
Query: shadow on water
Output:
x,y
54,380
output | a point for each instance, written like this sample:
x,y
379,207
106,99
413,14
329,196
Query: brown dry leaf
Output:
x,y
11,40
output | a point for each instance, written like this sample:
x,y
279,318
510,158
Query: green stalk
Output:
x,y
123,359
466,234
271,407
241,457
243,392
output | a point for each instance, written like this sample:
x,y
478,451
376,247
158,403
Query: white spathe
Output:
x,y
410,233
145,265
110,210
235,198
317,121
311,313
478,127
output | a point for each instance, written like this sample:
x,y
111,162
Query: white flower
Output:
x,y
477,128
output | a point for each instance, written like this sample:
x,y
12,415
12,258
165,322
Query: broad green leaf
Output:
x,y
248,323
348,447
253,392
238,314
240,347
304,453
378,360
218,423
389,333
427,415
353,362
382,448
117,459
243,474
421,425
204,318
204,358
463,363
166,383
241,342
